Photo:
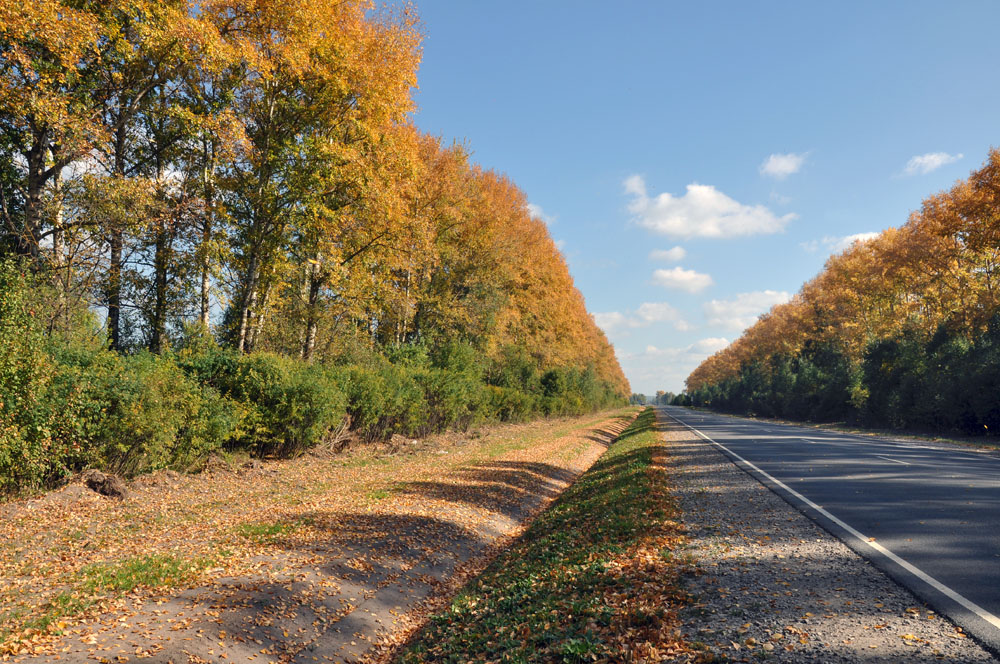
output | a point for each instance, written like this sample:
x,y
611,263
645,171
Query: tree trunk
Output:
x,y
61,277
258,317
27,237
247,304
206,230
161,263
116,242
113,291
206,234
312,317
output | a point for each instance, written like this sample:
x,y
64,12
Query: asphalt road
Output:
x,y
927,514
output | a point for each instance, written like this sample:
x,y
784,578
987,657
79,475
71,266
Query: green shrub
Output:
x,y
286,405
384,399
68,403
510,405
65,407
26,455
136,413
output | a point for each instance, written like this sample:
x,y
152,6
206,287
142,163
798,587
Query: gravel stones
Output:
x,y
770,585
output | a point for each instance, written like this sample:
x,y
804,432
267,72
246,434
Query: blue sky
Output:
x,y
739,141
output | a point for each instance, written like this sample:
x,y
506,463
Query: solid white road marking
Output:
x,y
912,569
893,460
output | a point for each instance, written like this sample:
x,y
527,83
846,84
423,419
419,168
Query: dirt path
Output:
x,y
337,560
773,586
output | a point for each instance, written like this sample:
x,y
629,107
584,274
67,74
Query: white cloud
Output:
x,y
835,245
560,244
703,347
666,368
925,163
655,312
681,279
703,211
611,321
743,310
647,314
839,244
660,352
537,212
671,255
635,185
780,166
709,346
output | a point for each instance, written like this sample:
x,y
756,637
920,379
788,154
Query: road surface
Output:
x,y
927,514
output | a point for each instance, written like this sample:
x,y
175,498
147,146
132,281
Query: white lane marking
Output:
x,y
909,567
811,442
893,460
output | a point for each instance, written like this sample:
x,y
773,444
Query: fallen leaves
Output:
x,y
594,578
96,560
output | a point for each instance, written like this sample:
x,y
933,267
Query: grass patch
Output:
x,y
150,571
98,581
62,605
267,533
589,580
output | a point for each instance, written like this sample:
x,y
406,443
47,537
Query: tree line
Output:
x,y
229,197
899,331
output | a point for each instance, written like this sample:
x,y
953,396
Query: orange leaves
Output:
x,y
270,143
940,268
491,272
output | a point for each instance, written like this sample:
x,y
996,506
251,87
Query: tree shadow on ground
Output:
x,y
331,597
334,593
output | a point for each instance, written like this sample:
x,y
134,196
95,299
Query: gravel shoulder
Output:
x,y
771,585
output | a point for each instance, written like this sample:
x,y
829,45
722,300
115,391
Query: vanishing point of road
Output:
x,y
927,514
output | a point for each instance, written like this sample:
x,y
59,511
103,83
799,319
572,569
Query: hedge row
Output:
x,y
69,405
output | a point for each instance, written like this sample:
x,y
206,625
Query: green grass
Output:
x,y
552,596
113,578
151,571
266,533
62,605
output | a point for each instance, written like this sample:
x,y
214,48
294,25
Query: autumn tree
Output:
x,y
883,327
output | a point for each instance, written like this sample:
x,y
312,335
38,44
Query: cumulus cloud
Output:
x,y
647,314
709,346
839,244
537,212
671,255
922,164
680,279
703,211
611,321
835,244
666,368
780,166
743,310
702,347
655,312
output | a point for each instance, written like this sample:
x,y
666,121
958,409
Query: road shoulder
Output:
x,y
772,583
